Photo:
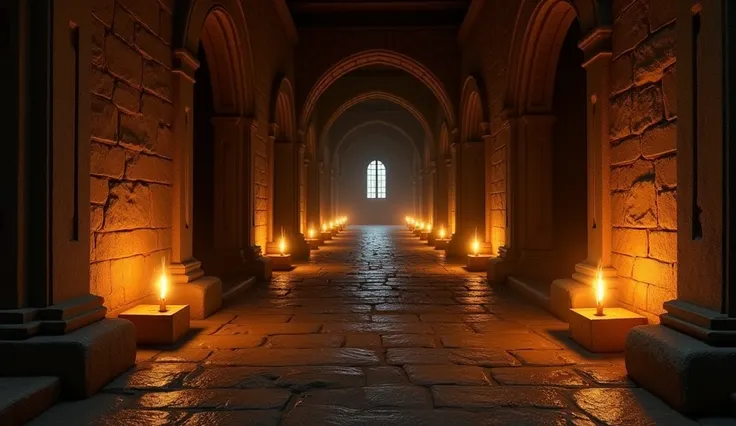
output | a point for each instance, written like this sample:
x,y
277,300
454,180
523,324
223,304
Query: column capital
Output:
x,y
185,64
596,45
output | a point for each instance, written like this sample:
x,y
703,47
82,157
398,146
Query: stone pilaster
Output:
x,y
192,287
46,309
688,360
286,199
577,292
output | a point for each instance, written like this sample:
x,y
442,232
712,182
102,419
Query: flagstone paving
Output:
x,y
376,329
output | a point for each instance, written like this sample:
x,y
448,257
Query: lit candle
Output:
x,y
476,246
442,233
311,233
429,228
282,245
163,284
324,227
599,291
332,225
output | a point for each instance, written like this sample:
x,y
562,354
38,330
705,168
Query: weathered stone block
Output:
x,y
157,79
129,207
98,43
103,120
622,73
666,172
98,189
661,13
660,140
138,132
623,264
663,246
103,10
148,168
115,245
101,83
667,209
669,91
654,272
155,107
605,333
126,97
131,281
632,242
143,11
620,111
653,56
124,24
161,214
622,178
107,160
630,28
566,294
164,142
203,295
647,108
122,60
96,216
166,27
153,47
640,206
656,296
153,327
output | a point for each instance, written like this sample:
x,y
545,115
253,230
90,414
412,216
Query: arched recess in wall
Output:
x,y
547,90
377,57
212,50
220,27
380,95
392,126
287,163
541,28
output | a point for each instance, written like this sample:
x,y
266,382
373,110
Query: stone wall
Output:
x,y
132,144
643,144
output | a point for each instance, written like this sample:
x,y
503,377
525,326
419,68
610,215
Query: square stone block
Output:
x,y
313,243
606,333
153,327
478,263
418,232
280,262
424,236
203,295
326,236
431,240
441,244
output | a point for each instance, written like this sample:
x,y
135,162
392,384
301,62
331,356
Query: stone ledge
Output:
x,y
23,398
85,359
691,376
203,295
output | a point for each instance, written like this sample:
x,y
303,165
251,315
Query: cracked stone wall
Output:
x,y
643,127
132,142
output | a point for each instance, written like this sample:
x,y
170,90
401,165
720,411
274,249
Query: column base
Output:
x,y
256,265
85,360
688,374
190,287
499,269
578,292
57,319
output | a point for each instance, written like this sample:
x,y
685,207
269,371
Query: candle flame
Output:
x,y
324,227
429,228
442,233
311,233
476,246
163,282
282,245
599,287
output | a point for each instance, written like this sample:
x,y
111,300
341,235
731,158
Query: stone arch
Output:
x,y
472,113
541,28
221,27
373,95
377,57
283,115
384,123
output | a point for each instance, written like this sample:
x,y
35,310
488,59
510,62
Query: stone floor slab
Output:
x,y
498,396
217,399
301,341
296,378
443,374
234,418
479,357
382,396
543,376
289,357
409,341
628,407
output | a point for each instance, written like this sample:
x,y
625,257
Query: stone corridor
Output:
x,y
376,329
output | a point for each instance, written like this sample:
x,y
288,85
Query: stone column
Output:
x,y
688,360
286,199
46,310
431,190
577,292
191,286
303,191
313,196
441,202
452,197
470,201
501,266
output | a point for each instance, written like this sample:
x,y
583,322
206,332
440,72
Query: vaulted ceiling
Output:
x,y
378,13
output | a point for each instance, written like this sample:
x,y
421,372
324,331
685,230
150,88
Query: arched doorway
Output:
x,y
569,160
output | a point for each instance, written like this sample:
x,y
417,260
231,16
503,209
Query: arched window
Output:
x,y
376,180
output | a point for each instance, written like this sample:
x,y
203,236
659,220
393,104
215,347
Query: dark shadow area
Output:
x,y
569,157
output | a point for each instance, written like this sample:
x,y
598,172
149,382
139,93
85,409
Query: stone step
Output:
x,y
23,398
535,291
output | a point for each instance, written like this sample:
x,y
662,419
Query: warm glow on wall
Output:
x,y
163,284
429,228
324,227
311,233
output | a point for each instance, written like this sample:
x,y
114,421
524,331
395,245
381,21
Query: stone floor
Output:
x,y
375,330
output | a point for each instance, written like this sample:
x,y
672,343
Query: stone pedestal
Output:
x,y
190,287
431,240
477,263
153,327
424,236
313,243
441,244
281,262
578,292
605,333
326,236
